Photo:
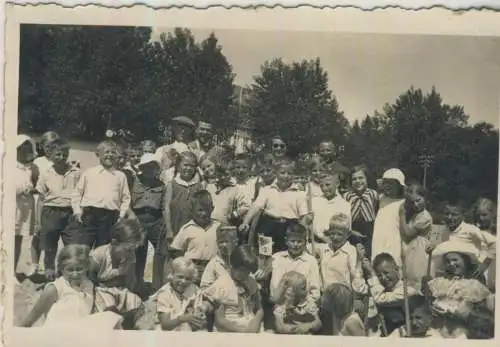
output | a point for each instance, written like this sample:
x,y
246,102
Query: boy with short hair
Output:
x,y
101,199
55,186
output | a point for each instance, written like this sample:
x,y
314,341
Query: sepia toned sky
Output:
x,y
367,70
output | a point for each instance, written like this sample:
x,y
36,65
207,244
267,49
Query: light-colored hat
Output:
x,y
21,138
395,174
453,246
184,120
148,158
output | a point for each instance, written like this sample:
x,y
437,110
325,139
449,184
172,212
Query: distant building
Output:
x,y
241,139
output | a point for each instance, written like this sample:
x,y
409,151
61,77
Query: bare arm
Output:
x,y
226,325
42,306
169,323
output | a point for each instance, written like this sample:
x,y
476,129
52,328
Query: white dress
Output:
x,y
386,237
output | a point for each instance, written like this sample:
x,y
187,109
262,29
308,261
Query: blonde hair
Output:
x,y
80,253
182,265
106,144
295,280
340,221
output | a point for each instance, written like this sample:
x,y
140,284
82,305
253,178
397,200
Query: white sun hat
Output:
x,y
395,174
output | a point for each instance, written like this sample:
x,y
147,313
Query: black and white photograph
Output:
x,y
220,180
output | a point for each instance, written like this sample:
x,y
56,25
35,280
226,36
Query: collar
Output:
x,y
343,249
101,169
300,257
193,223
292,188
180,181
458,228
71,168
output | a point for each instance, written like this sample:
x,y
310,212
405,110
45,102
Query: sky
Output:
x,y
367,70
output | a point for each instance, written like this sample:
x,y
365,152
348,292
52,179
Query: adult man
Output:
x,y
204,139
183,131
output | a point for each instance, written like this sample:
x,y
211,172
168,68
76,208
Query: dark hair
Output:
x,y
283,162
73,251
417,188
296,229
338,302
480,323
364,169
242,156
244,258
383,257
57,144
183,155
201,197
128,230
469,265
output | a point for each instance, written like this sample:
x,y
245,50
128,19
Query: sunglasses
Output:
x,y
279,145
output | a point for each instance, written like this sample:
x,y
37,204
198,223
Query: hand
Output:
x,y
366,265
244,227
193,320
429,248
78,217
301,329
361,250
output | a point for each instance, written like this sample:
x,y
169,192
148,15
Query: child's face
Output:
x,y
484,218
329,186
285,175
241,170
208,168
267,174
25,153
278,148
295,244
187,168
417,201
134,157
387,273
225,246
337,236
327,151
181,279
149,147
120,159
74,272
59,156
202,213
294,296
454,264
107,156
316,172
453,216
359,181
390,187
420,320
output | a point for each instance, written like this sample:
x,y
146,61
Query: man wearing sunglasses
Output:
x,y
278,147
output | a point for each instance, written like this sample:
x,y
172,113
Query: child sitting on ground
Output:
x,y
296,311
420,321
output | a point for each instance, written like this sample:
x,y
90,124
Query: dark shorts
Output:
x,y
276,229
54,221
95,228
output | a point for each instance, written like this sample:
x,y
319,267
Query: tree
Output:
x,y
293,101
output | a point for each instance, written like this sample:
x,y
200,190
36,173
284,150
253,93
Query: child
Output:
x,y
73,295
207,167
328,154
364,206
327,205
318,170
180,304
26,175
121,165
339,317
267,175
458,230
296,311
245,185
236,298
134,154
387,289
218,266
338,260
386,228
420,322
148,196
484,214
148,146
100,200
279,205
415,223
197,239
43,161
178,194
55,186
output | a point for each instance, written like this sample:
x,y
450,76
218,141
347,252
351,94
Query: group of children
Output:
x,y
241,244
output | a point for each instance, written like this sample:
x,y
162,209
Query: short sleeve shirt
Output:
x,y
197,243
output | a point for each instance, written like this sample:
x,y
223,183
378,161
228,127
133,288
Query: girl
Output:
x,y
386,228
26,176
236,298
73,295
364,207
179,192
484,214
338,311
295,311
180,303
207,166
415,223
317,170
455,293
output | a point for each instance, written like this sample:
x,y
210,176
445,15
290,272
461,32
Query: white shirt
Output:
x,y
324,210
197,243
290,204
483,241
43,163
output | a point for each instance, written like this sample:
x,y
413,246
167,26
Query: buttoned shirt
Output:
x,y
56,189
342,266
102,188
382,296
290,203
483,241
306,264
196,242
324,210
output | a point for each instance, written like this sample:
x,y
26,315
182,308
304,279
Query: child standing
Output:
x,y
236,298
148,146
134,154
178,194
180,303
26,178
245,187
296,312
420,321
101,198
197,239
43,162
280,205
327,205
148,196
55,187
364,207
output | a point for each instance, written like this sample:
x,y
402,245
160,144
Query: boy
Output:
x,y
326,206
101,199
55,186
245,186
280,205
387,289
197,239
134,154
